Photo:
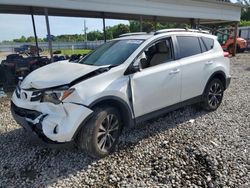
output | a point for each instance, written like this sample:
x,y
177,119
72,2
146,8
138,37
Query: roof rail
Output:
x,y
181,30
131,34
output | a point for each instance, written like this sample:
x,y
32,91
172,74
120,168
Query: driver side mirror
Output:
x,y
136,68
141,64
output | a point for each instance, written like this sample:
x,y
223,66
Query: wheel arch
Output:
x,y
218,74
120,104
124,109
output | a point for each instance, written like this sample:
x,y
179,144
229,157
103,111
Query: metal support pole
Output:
x,y
140,23
48,32
192,23
198,24
155,23
34,29
104,29
235,38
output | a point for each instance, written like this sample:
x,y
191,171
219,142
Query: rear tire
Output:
x,y
213,95
99,136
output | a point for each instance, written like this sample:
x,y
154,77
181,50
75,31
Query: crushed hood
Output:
x,y
56,74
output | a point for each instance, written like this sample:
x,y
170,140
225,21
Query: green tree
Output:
x,y
30,39
120,29
95,35
245,13
109,32
134,26
22,39
150,26
244,23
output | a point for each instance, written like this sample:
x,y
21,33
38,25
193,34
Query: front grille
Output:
x,y
18,90
31,114
29,95
36,96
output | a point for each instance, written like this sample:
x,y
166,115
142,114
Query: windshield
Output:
x,y
112,53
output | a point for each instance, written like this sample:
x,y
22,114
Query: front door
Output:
x,y
158,84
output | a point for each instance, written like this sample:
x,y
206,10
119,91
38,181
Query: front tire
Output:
x,y
100,135
213,95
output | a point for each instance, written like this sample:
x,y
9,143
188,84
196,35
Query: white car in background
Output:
x,y
125,81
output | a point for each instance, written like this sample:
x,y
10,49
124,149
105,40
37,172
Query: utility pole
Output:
x,y
49,35
85,30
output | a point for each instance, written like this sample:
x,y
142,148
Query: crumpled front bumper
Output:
x,y
50,122
34,130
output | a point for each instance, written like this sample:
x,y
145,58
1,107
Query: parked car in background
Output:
x,y
125,81
226,39
27,49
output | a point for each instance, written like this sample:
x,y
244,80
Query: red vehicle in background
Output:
x,y
226,39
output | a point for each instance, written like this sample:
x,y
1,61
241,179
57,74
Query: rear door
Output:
x,y
195,65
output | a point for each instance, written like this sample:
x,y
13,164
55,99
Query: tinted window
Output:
x,y
208,42
203,47
188,46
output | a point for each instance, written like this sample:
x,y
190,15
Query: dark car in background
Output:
x,y
27,49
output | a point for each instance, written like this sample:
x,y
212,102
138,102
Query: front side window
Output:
x,y
158,53
112,53
189,46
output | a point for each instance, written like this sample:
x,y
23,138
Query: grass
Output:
x,y
75,51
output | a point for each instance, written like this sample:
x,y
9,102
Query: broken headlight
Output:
x,y
57,96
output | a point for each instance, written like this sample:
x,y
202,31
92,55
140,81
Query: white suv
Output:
x,y
125,81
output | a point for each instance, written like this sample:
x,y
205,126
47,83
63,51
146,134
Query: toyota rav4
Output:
x,y
125,81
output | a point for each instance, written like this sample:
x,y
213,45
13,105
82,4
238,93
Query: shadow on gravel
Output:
x,y
248,69
22,161
162,123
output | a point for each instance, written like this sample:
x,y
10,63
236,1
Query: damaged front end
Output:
x,y
47,114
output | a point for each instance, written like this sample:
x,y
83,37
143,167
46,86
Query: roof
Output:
x,y
160,10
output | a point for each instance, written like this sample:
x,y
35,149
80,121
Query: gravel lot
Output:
x,y
185,148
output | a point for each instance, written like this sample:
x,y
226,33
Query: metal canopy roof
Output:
x,y
206,11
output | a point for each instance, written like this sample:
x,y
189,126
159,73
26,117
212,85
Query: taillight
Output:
x,y
226,54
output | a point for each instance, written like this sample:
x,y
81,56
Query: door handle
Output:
x,y
175,71
209,62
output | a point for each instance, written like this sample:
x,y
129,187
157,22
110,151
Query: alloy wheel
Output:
x,y
215,95
107,133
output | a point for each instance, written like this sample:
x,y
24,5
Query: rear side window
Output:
x,y
203,47
189,46
209,43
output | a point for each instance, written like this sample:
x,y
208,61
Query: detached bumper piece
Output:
x,y
28,120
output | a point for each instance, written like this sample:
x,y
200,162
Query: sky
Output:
x,y
14,26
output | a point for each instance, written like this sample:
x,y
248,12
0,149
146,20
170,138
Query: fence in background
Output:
x,y
244,32
55,45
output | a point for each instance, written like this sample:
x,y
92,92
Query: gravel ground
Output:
x,y
185,148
